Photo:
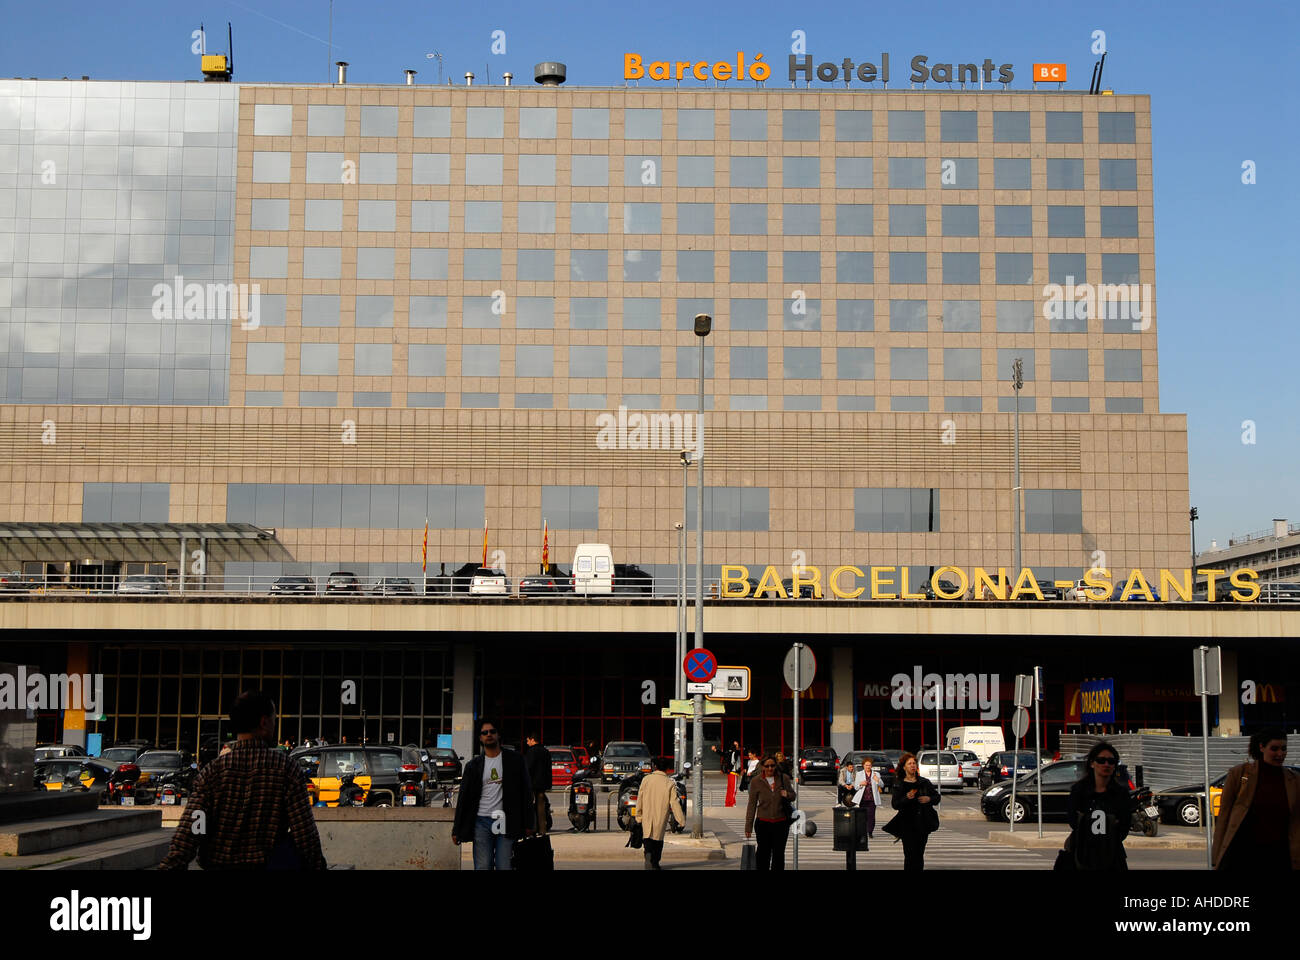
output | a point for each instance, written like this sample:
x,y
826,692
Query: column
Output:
x,y
464,738
1230,699
843,700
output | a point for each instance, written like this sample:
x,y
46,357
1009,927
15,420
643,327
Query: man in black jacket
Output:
x,y
496,805
538,760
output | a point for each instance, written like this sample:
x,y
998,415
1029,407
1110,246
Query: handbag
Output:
x,y
748,857
895,827
1065,856
636,838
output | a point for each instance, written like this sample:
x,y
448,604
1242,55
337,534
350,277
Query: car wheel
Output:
x,y
1019,811
1189,813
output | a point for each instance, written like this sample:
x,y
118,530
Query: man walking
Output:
x,y
656,798
538,760
249,808
496,806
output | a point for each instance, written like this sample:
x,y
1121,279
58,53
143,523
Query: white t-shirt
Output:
x,y
490,799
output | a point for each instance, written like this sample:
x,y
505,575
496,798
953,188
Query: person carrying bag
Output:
x,y
771,805
915,798
1100,812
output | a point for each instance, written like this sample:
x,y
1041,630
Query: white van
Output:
x,y
593,569
981,741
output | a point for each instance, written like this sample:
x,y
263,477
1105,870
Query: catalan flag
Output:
x,y
424,553
485,529
546,546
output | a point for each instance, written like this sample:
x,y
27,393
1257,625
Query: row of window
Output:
x,y
647,170
645,362
692,266
653,401
647,123
461,507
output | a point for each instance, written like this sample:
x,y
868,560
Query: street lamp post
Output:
x,y
679,741
1017,381
1194,516
703,324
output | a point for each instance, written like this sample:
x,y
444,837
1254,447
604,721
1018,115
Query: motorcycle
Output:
x,y
582,802
627,794
1146,814
350,795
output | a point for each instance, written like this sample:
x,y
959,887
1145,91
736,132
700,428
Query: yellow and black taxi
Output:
x,y
377,776
73,773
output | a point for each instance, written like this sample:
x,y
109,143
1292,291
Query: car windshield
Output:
x,y
561,756
946,758
160,758
119,755
384,762
818,754
338,763
627,750
441,752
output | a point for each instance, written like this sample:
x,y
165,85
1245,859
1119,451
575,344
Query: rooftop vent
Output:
x,y
410,77
343,70
469,79
507,77
549,73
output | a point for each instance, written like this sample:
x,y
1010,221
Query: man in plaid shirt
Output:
x,y
253,804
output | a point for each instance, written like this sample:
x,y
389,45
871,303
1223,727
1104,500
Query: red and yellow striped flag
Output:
x,y
546,546
424,553
485,529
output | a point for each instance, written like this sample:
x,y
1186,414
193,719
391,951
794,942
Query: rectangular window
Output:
x,y
589,217
848,404
909,363
802,363
642,362
748,266
488,401
318,398
485,123
644,266
748,314
801,125
1064,126
642,218
323,215
1053,511
1008,354
477,313
896,510
427,313
802,314
1015,268
749,172
961,268
265,359
1010,174
1119,221
327,121
801,219
800,172
430,168
747,401
641,313
749,219
959,173
536,265
855,363
1012,221
374,311
375,263
377,215
270,215
537,123
958,126
426,360
1066,268
1119,268
271,167
1117,127
482,264
477,359
379,121
695,218
1070,365
961,363
319,360
269,262
802,402
641,171
571,508
643,123
1123,404
853,173
590,172
907,219
537,216
588,313
852,316
1118,175
908,316
535,313
801,266
1123,366
430,216
375,360
534,401
322,263
1010,126
377,168
688,307
536,170
748,124
961,316
695,171
482,216
590,123
749,363
484,169
961,220
694,124
1008,405
688,362
907,126
851,267
429,263
535,360
852,126
907,173
1064,173
693,266
907,268
1069,404
1064,221
726,509
963,404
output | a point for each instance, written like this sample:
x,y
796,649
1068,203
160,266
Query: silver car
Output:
x,y
948,775
970,766
142,583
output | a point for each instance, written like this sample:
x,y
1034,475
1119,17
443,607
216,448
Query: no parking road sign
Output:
x,y
700,665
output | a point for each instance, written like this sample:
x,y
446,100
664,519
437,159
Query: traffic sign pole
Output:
x,y
795,766
1038,743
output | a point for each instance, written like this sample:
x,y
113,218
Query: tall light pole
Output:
x,y
1193,515
703,324
679,741
1017,381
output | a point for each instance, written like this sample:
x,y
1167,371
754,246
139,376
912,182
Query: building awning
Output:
x,y
87,533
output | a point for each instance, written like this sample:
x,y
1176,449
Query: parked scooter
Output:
x,y
1146,814
582,802
350,795
627,794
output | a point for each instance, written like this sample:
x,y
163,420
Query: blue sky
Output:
x,y
1222,82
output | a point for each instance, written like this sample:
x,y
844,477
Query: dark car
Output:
x,y
822,763
394,587
623,758
21,582
52,751
553,581
805,590
294,585
342,581
73,774
376,770
159,768
998,766
947,586
631,579
880,763
446,764
463,576
122,753
1057,779
1182,804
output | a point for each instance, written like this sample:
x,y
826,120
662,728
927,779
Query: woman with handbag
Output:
x,y
771,804
867,798
915,799
1101,812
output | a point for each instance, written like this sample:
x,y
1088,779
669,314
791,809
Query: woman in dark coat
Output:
x,y
915,799
1101,811
1258,827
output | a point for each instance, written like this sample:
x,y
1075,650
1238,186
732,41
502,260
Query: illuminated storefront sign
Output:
x,y
952,583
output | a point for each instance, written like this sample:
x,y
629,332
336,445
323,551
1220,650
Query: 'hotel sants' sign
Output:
x,y
636,67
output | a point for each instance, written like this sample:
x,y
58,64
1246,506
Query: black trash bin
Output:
x,y
850,829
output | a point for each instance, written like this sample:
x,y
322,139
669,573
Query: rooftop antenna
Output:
x,y
217,67
436,56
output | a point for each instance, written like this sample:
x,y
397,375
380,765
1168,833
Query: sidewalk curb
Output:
x,y
1031,841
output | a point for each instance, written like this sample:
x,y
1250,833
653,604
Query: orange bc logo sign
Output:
x,y
1049,72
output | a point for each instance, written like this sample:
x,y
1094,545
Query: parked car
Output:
x,y
342,581
622,758
142,583
446,763
970,766
294,585
593,569
53,751
21,582
806,590
122,753
376,770
998,767
563,766
552,582
394,587
880,763
631,579
161,767
488,582
1057,779
946,775
819,762
73,773
947,586
582,758
1279,592
1183,805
